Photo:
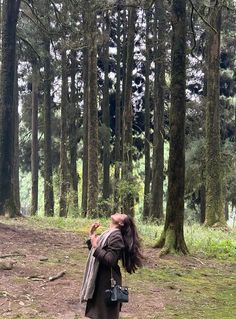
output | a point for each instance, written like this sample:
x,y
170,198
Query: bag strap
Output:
x,y
113,282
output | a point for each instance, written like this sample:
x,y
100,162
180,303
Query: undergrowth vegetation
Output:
x,y
211,242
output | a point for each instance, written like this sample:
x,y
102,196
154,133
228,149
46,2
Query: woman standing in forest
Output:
x,y
120,241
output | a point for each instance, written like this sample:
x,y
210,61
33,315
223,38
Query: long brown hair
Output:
x,y
132,256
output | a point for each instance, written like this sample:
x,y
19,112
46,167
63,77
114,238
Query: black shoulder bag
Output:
x,y
116,293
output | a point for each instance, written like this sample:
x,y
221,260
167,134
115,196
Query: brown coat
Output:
x,y
108,257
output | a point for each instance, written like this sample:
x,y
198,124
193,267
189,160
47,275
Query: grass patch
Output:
x,y
211,242
203,293
214,243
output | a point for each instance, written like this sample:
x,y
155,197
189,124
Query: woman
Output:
x,y
120,241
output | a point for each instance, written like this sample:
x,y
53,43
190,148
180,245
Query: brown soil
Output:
x,y
38,254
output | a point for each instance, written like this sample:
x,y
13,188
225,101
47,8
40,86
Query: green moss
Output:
x,y
204,293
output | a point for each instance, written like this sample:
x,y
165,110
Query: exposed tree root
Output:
x,y
171,242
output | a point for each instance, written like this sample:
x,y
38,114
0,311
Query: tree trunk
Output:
x,y
73,136
16,143
202,203
34,141
63,143
8,205
123,75
172,238
127,167
118,117
48,177
85,135
203,162
156,210
226,211
92,114
106,118
1,17
146,207
214,192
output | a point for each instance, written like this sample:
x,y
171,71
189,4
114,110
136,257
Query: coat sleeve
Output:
x,y
88,243
110,254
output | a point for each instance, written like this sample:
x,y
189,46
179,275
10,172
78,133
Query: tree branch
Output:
x,y
201,16
40,24
57,14
29,44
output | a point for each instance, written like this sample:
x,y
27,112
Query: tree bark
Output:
x,y
85,135
146,208
172,238
63,143
16,143
106,118
118,117
34,141
8,205
226,211
85,71
73,136
214,191
127,166
123,75
92,114
48,177
156,209
202,192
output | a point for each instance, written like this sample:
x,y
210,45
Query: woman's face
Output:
x,y
118,218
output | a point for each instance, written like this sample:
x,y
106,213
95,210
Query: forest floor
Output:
x,y
185,287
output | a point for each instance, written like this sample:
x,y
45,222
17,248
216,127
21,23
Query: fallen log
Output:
x,y
59,275
12,255
37,278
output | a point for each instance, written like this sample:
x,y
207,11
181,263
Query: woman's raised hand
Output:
x,y
93,236
94,227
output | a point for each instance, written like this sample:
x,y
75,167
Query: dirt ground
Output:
x,y
30,257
